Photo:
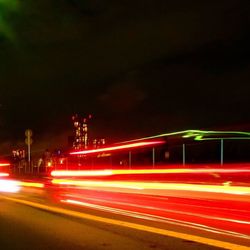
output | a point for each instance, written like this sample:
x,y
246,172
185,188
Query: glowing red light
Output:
x,y
119,147
4,164
61,173
4,174
110,172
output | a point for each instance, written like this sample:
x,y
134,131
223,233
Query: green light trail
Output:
x,y
202,135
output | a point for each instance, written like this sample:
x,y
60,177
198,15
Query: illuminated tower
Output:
x,y
80,132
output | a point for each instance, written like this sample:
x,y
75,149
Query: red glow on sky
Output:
x,y
119,147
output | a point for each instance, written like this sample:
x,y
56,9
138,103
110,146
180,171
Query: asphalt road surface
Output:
x,y
24,227
96,213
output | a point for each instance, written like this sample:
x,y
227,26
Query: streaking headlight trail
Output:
x,y
8,186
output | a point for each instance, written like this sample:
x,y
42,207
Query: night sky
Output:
x,y
140,67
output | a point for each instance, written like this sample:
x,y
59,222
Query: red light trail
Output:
x,y
111,172
206,212
131,211
4,174
4,164
235,190
78,173
119,147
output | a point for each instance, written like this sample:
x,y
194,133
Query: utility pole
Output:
x,y
221,152
29,141
183,154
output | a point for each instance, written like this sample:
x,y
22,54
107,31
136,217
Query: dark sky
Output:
x,y
140,67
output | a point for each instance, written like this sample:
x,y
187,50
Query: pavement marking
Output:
x,y
183,236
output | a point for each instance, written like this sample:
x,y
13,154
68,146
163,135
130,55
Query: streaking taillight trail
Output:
x,y
4,174
155,186
111,172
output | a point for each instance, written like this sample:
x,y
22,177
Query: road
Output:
x,y
24,227
94,213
